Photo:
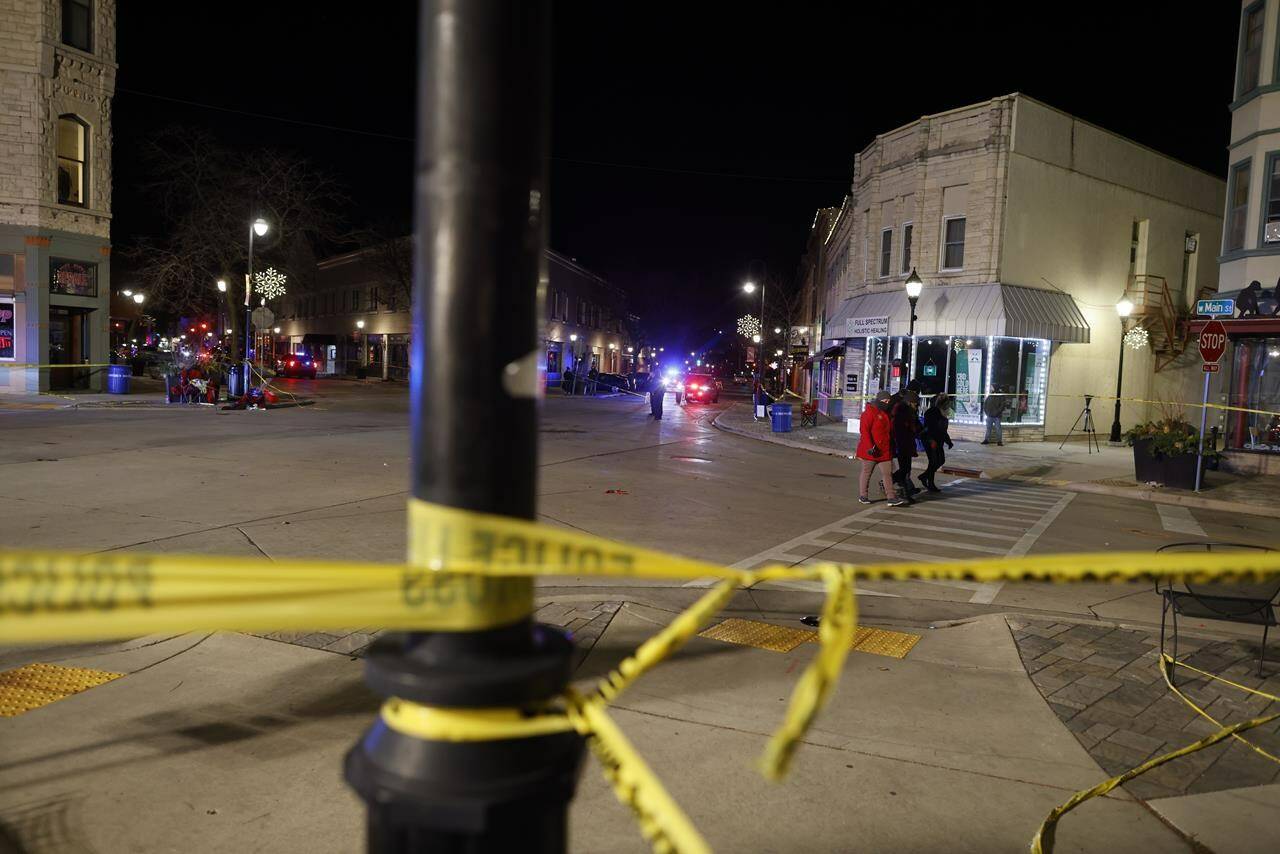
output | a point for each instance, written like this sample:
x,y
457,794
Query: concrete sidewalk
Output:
x,y
1072,467
195,751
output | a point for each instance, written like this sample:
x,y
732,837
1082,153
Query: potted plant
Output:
x,y
1164,451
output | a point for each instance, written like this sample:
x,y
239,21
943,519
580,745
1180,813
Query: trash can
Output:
x,y
235,383
118,379
781,417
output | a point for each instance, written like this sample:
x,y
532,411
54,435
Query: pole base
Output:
x,y
464,797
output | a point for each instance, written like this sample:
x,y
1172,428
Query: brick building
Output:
x,y
57,78
358,317
1027,226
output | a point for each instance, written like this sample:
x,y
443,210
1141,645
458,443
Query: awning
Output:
x,y
972,311
829,353
319,338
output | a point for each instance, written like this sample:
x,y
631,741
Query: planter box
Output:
x,y
1178,472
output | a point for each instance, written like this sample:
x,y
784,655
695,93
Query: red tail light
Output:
x,y
292,363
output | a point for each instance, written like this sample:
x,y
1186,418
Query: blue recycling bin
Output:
x,y
781,414
118,379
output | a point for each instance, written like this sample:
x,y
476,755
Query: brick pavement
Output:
x,y
1104,683
585,621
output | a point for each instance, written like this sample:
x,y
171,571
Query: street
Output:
x,y
966,711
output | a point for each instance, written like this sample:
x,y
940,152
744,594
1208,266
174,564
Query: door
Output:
x,y
68,345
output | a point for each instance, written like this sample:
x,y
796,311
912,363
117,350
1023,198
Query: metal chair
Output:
x,y
809,414
1253,604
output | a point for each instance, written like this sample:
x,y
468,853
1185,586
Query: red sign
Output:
x,y
1213,342
1210,367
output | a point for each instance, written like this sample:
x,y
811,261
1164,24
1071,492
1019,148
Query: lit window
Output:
x,y
77,24
73,163
953,243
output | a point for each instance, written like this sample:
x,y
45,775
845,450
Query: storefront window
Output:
x,y
553,359
1255,384
931,364
967,378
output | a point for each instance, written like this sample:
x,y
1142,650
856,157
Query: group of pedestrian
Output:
x,y
890,429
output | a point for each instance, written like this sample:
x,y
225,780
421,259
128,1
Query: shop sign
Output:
x,y
6,329
1215,307
863,327
931,370
73,278
851,383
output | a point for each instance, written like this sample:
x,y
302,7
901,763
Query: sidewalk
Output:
x,y
1072,467
231,742
143,391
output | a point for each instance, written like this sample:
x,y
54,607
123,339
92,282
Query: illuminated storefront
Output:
x,y
977,341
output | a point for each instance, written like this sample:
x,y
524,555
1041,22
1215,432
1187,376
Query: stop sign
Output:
x,y
1213,342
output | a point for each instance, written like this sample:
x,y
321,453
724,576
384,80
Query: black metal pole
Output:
x,y
248,317
481,183
911,341
1115,423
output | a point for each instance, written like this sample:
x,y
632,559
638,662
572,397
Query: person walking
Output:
x,y
905,419
875,449
993,409
937,420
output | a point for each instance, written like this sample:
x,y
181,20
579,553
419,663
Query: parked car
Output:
x,y
297,367
606,383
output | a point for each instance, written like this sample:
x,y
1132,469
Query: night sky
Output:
x,y
692,142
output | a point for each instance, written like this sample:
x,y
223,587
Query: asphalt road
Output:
x,y
330,480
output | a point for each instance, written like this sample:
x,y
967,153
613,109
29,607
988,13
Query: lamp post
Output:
x,y
1123,308
573,354
750,288
258,227
914,286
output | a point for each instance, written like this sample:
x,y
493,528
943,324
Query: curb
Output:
x,y
1154,496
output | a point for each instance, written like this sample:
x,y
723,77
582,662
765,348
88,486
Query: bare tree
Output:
x,y
208,195
390,256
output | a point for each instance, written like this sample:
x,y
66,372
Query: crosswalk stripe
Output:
x,y
994,505
941,529
957,515
1179,520
853,550
927,541
1036,503
1002,486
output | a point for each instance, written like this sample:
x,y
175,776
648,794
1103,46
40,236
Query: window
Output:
x,y
373,298
73,278
886,251
77,24
1237,207
1255,385
355,299
953,243
1250,49
1271,204
553,359
72,161
582,312
906,248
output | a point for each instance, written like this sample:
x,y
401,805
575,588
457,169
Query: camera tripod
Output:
x,y
1090,435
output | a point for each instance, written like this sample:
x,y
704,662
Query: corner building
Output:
x,y
1027,226
57,78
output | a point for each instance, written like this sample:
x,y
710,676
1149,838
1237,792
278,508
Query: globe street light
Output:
x,y
138,298
1124,308
222,285
257,228
914,286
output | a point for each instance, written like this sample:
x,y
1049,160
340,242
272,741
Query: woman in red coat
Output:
x,y
875,449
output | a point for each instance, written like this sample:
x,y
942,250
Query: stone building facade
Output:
x,y
57,79
1027,226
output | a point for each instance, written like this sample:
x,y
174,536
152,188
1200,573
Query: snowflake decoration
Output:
x,y
270,283
748,326
1136,338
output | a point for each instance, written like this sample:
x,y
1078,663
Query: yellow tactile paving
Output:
x,y
34,685
757,634
784,639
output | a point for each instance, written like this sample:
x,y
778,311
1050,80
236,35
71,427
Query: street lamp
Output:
x,y
222,285
359,324
126,293
276,330
257,228
1124,308
138,298
750,287
914,285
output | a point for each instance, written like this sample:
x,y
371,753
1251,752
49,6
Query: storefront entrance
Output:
x,y
68,345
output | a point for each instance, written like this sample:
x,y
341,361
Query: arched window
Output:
x,y
73,161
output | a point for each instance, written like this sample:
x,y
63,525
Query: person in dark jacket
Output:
x,y
993,408
935,435
657,391
906,426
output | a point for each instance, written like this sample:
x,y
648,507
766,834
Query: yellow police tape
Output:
x,y
1043,841
470,571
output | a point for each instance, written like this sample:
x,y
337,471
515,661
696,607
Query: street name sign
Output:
x,y
1215,307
